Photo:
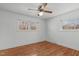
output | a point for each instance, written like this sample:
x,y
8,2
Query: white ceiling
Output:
x,y
22,8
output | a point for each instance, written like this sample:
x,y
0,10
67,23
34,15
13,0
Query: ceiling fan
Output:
x,y
42,9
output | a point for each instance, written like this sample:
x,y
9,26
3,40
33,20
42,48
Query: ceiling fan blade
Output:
x,y
39,7
33,9
47,11
42,6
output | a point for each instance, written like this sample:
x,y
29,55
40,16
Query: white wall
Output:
x,y
66,38
9,35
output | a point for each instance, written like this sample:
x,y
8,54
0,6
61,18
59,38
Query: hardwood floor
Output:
x,y
40,49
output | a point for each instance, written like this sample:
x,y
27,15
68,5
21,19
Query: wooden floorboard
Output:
x,y
40,49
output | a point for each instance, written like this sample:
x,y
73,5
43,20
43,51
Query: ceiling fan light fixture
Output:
x,y
40,14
